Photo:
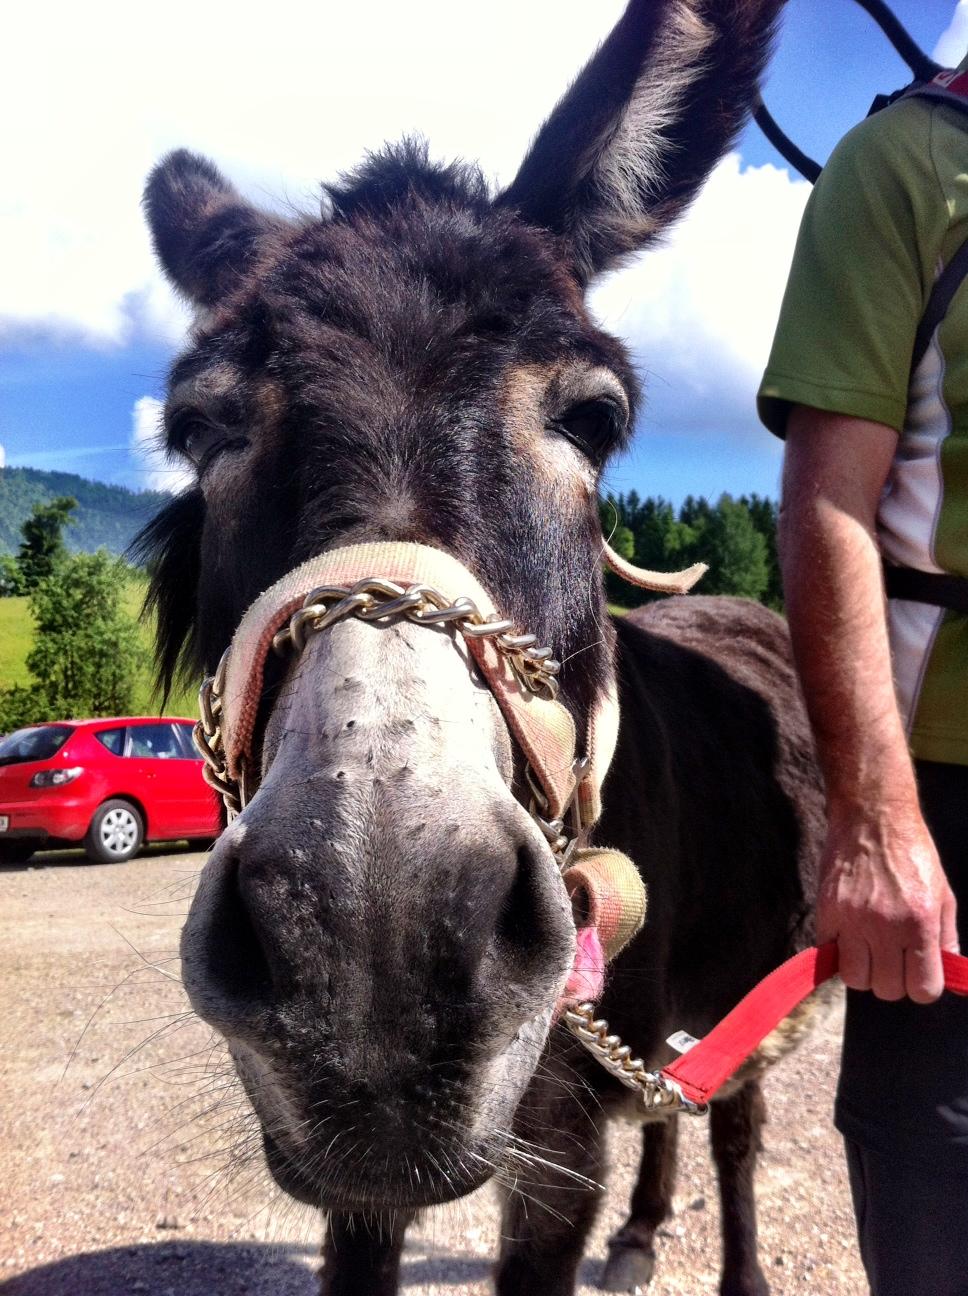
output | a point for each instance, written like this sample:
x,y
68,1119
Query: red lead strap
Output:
x,y
710,1063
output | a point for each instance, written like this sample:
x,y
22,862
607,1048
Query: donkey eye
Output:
x,y
200,440
592,426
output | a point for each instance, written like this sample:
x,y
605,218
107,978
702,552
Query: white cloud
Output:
x,y
951,48
3,457
700,312
153,469
280,102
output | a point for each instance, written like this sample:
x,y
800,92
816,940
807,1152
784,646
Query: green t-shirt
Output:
x,y
888,212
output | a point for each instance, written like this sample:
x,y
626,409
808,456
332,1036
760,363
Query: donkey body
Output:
x,y
715,792
382,934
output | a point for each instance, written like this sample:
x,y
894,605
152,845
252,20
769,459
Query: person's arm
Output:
x,y
883,894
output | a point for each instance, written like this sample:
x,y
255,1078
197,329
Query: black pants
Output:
x,y
902,1103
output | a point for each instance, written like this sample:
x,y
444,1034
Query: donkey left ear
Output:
x,y
632,141
204,231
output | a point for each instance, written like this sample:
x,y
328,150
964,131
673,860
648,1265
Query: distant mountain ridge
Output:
x,y
106,516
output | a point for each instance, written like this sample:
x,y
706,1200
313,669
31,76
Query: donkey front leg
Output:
x,y
549,1210
361,1255
631,1251
735,1124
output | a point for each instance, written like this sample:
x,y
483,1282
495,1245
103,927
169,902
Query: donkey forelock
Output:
x,y
392,367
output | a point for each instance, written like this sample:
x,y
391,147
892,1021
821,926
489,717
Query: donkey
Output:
x,y
382,934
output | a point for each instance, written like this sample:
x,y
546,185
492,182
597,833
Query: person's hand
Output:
x,y
885,900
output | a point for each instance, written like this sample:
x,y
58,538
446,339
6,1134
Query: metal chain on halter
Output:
x,y
207,735
658,1093
563,834
375,599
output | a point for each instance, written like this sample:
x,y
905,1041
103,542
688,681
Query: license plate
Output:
x,y
4,823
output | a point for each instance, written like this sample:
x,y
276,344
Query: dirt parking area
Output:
x,y
129,1164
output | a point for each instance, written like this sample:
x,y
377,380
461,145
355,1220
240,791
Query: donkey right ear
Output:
x,y
204,231
633,140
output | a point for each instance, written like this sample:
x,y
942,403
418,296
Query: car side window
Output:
x,y
184,734
159,742
112,739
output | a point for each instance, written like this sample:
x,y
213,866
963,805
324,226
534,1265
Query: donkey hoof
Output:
x,y
628,1269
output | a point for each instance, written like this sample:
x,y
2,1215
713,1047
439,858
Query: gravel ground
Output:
x,y
124,1166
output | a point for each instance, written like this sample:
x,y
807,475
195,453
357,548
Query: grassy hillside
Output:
x,y
16,637
106,516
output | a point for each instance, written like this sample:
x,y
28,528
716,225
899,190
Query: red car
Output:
x,y
109,784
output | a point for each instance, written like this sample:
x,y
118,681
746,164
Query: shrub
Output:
x,y
86,655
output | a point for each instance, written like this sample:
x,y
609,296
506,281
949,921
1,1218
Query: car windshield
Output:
x,y
35,744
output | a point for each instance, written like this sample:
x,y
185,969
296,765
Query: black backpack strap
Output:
x,y
883,101
946,285
950,86
937,588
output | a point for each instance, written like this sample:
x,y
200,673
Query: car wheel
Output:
x,y
115,834
15,852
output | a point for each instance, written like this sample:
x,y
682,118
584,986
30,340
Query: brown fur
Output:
x,y
382,934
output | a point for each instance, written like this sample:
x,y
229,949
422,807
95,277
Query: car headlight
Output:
x,y
56,777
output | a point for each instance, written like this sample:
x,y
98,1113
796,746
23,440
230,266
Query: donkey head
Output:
x,y
382,934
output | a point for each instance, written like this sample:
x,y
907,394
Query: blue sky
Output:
x,y
87,329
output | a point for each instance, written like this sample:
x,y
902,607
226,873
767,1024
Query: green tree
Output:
x,y
653,527
86,654
737,538
21,706
11,581
695,512
610,513
763,513
623,542
42,547
735,550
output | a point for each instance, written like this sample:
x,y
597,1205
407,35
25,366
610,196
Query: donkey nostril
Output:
x,y
520,922
235,960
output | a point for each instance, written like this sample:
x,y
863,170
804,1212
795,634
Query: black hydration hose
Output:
x,y
923,68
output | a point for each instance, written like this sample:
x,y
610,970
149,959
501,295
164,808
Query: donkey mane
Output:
x,y
170,547
402,172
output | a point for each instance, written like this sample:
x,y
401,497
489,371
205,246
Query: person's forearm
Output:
x,y
835,605
883,896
